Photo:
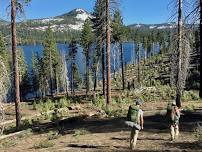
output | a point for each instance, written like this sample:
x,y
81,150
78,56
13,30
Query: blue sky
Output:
x,y
133,11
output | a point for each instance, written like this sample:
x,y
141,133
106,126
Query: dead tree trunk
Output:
x,y
200,92
122,67
15,64
51,73
138,62
103,66
87,71
108,53
179,49
96,75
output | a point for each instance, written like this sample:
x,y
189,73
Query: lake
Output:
x,y
128,49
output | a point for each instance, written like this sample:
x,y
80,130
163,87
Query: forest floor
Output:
x,y
86,129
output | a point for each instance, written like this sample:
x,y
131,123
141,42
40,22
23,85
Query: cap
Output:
x,y
138,102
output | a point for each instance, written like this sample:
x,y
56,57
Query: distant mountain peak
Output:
x,y
73,20
79,10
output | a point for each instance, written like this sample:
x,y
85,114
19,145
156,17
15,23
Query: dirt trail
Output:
x,y
83,133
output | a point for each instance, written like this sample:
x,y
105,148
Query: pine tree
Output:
x,y
145,46
137,43
64,75
15,64
87,38
75,78
4,53
23,74
4,71
35,74
108,44
118,37
98,26
50,59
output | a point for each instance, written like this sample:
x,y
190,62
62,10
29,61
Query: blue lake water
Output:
x,y
128,49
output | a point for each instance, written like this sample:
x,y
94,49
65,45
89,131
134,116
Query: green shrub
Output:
x,y
53,135
43,144
99,102
27,123
6,143
79,132
44,106
189,108
189,96
62,103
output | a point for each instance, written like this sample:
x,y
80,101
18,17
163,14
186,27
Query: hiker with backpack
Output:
x,y
135,121
173,115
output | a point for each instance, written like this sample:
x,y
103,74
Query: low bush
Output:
x,y
62,103
6,143
43,106
189,96
79,132
99,102
43,144
53,135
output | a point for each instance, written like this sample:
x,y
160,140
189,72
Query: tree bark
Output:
x,y
51,73
138,60
200,92
108,53
122,67
179,72
96,75
72,77
103,65
145,55
15,64
87,71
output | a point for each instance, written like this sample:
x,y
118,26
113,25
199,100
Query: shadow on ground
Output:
x,y
189,146
155,123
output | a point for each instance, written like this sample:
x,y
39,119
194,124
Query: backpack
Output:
x,y
171,113
133,114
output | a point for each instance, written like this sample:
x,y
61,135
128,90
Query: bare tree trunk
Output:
x,y
200,92
145,55
72,78
15,64
51,73
122,67
179,72
108,53
103,66
87,72
56,80
96,75
138,60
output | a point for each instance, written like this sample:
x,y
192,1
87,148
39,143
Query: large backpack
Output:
x,y
171,113
133,114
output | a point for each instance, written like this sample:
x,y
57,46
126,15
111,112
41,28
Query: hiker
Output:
x,y
173,115
135,120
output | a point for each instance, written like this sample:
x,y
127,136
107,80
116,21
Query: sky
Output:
x,y
133,11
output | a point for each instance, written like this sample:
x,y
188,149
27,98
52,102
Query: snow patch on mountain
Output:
x,y
138,25
51,19
80,10
82,16
152,27
78,26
